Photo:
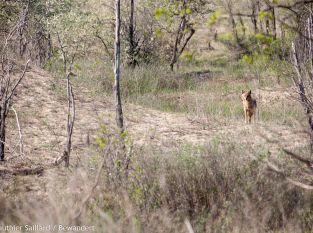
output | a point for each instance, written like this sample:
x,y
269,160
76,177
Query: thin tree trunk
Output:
x,y
233,23
302,94
243,26
177,41
70,120
254,17
117,92
260,21
131,53
274,24
267,26
2,129
179,36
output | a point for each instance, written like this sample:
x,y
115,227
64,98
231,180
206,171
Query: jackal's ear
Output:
x,y
242,91
249,93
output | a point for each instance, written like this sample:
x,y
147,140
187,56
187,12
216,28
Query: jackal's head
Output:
x,y
246,95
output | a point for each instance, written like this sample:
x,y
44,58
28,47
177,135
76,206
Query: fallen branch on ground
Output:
x,y
22,171
307,162
280,172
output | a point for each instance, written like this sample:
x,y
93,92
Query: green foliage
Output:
x,y
158,32
186,11
77,67
263,38
169,15
226,37
213,18
161,12
247,59
188,56
102,139
254,58
265,14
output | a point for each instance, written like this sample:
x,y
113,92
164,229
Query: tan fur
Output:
x,y
249,105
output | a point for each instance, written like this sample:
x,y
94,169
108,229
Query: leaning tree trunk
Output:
x,y
117,59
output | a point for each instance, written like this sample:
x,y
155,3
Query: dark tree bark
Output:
x,y
254,16
117,50
233,22
71,111
243,26
6,93
260,21
182,38
2,133
274,24
303,95
267,26
132,62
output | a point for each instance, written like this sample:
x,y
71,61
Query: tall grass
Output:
x,y
214,94
217,188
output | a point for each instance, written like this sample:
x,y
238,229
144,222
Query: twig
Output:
x,y
60,159
22,171
18,81
70,103
20,132
96,182
10,148
275,169
307,162
188,225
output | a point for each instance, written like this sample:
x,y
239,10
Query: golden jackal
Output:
x,y
249,105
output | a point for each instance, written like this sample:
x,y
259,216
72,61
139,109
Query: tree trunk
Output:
x,y
243,26
274,24
233,23
2,132
131,53
117,49
267,26
179,36
254,17
260,21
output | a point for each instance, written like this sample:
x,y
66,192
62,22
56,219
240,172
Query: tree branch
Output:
x,y
18,82
20,132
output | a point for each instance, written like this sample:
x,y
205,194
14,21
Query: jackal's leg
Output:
x,y
250,116
246,115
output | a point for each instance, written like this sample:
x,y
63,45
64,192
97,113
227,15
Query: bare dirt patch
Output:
x,y
41,105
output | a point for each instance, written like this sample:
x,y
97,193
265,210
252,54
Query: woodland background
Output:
x,y
180,158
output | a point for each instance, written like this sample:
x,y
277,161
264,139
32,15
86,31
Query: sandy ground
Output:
x,y
42,113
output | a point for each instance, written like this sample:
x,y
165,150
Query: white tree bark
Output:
x,y
117,61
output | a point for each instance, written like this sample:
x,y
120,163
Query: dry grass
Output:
x,y
217,188
192,158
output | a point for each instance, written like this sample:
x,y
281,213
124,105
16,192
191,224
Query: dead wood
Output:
x,y
22,171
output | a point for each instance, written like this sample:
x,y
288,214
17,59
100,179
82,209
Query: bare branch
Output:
x,y
20,132
307,162
96,182
18,82
22,171
275,169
